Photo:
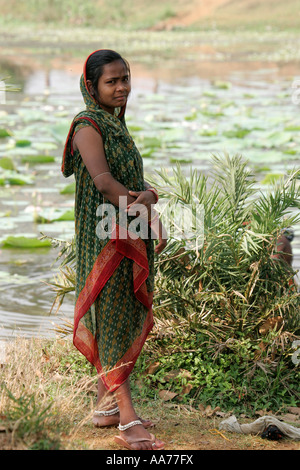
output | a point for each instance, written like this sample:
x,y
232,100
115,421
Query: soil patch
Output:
x,y
189,433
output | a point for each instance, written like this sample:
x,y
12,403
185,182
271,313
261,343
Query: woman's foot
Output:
x,y
100,420
103,421
137,437
133,434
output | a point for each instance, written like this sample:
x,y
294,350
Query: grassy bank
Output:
x,y
140,14
47,397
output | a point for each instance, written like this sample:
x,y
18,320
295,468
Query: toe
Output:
x,y
157,444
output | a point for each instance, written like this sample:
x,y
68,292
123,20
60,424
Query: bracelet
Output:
x,y
105,173
107,412
154,191
129,425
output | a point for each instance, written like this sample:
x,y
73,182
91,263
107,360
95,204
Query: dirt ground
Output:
x,y
184,433
192,12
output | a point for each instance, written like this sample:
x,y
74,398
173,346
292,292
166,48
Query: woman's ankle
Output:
x,y
127,415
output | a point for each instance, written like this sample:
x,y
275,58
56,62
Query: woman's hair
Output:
x,y
96,62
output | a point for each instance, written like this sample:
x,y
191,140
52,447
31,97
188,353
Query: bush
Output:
x,y
230,301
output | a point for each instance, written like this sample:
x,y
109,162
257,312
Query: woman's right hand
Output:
x,y
160,233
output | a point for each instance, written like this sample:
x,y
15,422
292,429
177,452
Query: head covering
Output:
x,y
100,119
89,99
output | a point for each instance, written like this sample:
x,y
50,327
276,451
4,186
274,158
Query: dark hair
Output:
x,y
96,62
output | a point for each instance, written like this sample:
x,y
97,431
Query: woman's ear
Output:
x,y
90,87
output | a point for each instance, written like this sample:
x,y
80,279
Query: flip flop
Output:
x,y
128,444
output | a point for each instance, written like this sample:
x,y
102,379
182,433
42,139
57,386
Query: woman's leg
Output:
x,y
105,402
127,415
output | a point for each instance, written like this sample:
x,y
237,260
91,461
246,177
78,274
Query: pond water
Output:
x,y
174,116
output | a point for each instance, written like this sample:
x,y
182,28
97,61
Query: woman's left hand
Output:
x,y
146,198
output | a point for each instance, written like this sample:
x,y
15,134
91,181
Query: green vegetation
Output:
x,y
30,421
98,14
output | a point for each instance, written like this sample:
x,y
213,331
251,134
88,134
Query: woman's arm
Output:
x,y
90,145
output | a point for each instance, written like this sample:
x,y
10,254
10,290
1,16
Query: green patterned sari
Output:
x,y
114,275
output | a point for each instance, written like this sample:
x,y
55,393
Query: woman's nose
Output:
x,y
121,86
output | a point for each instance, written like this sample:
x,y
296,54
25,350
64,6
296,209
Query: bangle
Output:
x,y
154,191
100,174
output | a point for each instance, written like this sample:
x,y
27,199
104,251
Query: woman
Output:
x,y
115,270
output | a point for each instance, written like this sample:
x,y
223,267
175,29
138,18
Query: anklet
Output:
x,y
107,413
129,425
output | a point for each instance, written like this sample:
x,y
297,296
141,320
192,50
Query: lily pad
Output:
x,y
173,135
274,140
181,160
291,152
69,188
4,133
23,143
132,128
221,85
54,215
15,278
271,178
292,128
60,131
23,242
37,159
191,117
14,178
150,142
238,133
208,132
7,164
45,146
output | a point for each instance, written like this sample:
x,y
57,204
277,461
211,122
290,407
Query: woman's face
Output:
x,y
113,86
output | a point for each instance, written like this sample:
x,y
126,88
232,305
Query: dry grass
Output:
x,y
61,400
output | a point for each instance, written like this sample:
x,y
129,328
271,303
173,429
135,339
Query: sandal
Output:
x,y
128,443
